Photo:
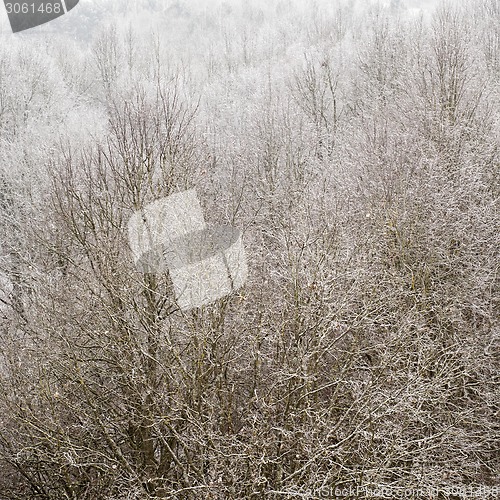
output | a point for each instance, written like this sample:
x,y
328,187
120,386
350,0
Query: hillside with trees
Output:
x,y
356,146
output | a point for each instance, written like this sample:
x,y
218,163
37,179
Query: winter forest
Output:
x,y
355,145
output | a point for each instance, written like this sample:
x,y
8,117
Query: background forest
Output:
x,y
356,145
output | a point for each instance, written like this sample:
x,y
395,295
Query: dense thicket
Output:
x,y
358,150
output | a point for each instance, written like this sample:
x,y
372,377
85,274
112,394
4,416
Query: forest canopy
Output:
x,y
355,145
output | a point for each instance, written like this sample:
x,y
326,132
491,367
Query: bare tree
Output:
x,y
362,351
